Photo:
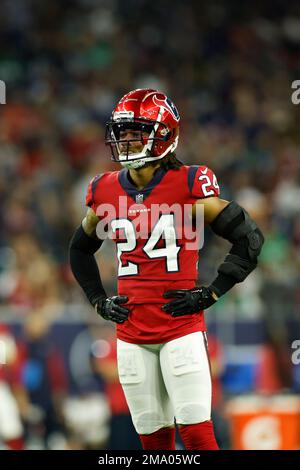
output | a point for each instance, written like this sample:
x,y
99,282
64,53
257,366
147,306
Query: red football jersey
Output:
x,y
155,247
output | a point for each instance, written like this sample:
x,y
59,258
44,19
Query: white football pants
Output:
x,y
166,381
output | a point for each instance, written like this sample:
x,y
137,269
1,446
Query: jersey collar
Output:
x,y
132,191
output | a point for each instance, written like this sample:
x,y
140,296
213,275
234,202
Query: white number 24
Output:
x,y
208,183
164,228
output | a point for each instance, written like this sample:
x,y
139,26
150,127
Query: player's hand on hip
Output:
x,y
189,300
110,309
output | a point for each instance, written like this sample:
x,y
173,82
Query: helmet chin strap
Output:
x,y
133,164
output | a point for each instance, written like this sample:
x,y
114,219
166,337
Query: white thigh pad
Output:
x,y
131,365
187,354
183,359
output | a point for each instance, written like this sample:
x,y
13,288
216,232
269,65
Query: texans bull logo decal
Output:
x,y
168,105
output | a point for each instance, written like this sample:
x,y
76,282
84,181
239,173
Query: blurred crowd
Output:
x,y
66,64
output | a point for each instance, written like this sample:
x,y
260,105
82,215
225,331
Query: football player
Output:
x,y
161,342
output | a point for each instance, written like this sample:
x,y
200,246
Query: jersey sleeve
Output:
x,y
90,195
202,182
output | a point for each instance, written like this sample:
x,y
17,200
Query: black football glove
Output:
x,y
110,308
188,301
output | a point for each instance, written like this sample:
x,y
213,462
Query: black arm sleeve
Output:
x,y
84,266
235,225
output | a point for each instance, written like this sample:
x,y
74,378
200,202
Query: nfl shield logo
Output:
x,y
139,198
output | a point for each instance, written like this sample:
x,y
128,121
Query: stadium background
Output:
x,y
229,68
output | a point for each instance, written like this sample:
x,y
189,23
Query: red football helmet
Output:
x,y
153,118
